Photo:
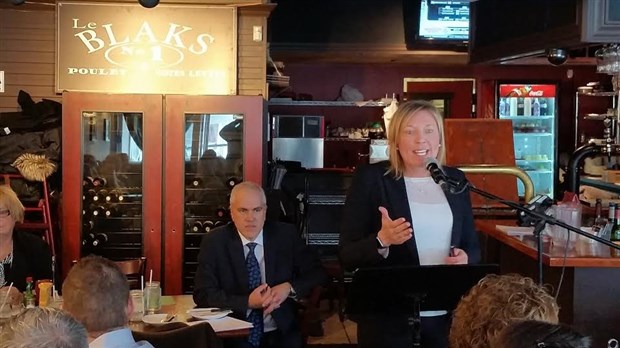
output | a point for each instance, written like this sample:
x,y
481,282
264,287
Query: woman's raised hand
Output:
x,y
393,232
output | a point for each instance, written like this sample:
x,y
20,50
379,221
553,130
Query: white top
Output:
x,y
259,251
431,219
120,338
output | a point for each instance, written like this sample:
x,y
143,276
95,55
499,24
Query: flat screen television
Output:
x,y
436,24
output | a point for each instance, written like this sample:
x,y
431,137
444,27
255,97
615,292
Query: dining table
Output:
x,y
179,305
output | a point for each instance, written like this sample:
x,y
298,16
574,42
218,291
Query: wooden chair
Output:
x,y
192,336
133,270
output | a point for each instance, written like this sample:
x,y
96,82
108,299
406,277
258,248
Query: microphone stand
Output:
x,y
538,220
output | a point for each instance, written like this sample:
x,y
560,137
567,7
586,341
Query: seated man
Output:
x,y
495,302
256,269
43,327
532,333
96,293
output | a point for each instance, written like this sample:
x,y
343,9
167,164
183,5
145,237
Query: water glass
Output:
x,y
152,297
137,299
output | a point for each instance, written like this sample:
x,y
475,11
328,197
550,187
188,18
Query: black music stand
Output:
x,y
407,290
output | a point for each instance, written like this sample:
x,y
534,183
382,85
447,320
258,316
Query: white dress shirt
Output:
x,y
120,338
259,251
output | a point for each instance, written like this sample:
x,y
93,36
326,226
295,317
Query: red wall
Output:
x,y
323,82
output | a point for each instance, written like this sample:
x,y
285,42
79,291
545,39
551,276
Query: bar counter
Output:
x,y
589,296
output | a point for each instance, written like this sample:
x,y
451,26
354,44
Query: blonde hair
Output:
x,y
406,111
9,198
247,186
494,303
96,293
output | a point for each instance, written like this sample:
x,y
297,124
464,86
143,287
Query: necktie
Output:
x,y
256,315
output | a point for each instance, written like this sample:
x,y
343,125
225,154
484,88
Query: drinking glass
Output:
x,y
152,297
570,215
137,299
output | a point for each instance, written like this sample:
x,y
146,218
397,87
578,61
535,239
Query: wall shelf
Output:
x,y
326,103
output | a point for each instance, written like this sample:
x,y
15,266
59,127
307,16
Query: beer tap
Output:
x,y
577,158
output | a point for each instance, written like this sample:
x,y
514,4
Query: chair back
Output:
x,y
193,336
133,270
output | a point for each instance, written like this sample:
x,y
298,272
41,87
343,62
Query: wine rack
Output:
x,y
207,199
112,218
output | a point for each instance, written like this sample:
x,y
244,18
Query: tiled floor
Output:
x,y
334,331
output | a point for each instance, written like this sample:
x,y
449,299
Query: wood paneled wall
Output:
x,y
28,49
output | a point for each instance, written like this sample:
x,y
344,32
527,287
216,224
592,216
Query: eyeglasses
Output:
x,y
4,213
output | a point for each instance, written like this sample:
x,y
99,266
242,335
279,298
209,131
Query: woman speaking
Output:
x,y
396,215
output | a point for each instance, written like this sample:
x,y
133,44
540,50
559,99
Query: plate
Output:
x,y
155,319
208,313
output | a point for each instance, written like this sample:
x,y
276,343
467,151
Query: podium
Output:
x,y
408,290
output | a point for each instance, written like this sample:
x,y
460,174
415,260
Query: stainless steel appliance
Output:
x,y
299,138
378,150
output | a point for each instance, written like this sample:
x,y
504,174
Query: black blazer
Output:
x,y
222,280
31,258
361,222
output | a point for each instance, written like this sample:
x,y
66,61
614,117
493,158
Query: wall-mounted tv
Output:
x,y
436,24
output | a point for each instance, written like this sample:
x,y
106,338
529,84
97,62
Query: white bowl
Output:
x,y
156,319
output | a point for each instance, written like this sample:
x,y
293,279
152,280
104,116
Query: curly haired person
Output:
x,y
494,303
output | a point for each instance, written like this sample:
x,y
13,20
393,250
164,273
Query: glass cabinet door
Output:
x,y
218,144
112,187
112,177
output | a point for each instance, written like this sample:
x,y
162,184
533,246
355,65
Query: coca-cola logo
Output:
x,y
536,93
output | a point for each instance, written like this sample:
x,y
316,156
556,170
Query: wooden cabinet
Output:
x,y
171,158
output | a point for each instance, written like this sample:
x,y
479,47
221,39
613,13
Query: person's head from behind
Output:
x,y
248,208
415,133
539,334
43,327
11,210
96,293
494,303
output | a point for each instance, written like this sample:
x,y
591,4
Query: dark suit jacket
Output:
x,y
372,188
222,279
31,258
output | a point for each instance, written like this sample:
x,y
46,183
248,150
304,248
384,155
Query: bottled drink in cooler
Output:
x,y
100,197
207,226
114,196
536,107
99,211
88,239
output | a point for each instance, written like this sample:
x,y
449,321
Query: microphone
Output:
x,y
437,173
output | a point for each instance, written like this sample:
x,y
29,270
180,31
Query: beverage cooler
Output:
x,y
532,110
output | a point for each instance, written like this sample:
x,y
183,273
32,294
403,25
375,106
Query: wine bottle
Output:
x,y
99,211
194,183
114,196
88,239
99,181
87,182
219,223
88,226
222,213
197,227
89,195
101,195
100,238
232,181
112,211
207,226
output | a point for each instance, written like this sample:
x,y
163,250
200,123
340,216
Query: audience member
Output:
x,y
96,293
257,269
494,303
22,254
533,333
43,327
